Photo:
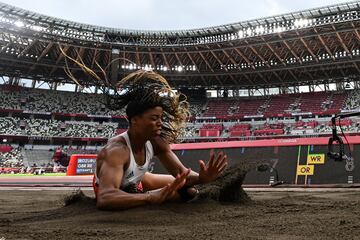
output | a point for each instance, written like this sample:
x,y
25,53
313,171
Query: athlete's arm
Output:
x,y
110,174
208,172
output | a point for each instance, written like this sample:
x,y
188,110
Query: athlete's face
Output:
x,y
150,122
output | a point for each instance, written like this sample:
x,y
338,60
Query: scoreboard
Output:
x,y
81,164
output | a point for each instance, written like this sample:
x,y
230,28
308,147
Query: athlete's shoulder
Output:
x,y
159,145
116,139
113,151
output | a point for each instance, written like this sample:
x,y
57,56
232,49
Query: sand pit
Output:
x,y
227,188
270,215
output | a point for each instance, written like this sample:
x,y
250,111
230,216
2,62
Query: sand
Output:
x,y
270,215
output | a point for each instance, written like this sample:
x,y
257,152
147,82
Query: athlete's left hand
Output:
x,y
215,166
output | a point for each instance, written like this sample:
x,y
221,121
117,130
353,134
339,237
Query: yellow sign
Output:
x,y
305,170
316,159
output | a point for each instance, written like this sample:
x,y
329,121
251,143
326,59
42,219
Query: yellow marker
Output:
x,y
304,170
316,159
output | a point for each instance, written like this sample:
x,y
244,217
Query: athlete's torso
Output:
x,y
134,173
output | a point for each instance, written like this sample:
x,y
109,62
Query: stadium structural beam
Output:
x,y
342,42
151,58
180,49
60,57
324,44
277,76
325,72
79,56
30,45
94,58
6,46
137,57
231,59
165,59
293,75
356,31
245,58
193,62
206,62
262,77
114,67
259,56
309,50
274,52
357,67
234,80
45,51
291,50
178,59
247,78
219,61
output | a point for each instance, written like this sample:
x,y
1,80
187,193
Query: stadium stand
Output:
x,y
39,100
278,105
12,159
51,128
353,100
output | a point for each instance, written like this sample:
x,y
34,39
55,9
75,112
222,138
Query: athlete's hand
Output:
x,y
215,166
167,192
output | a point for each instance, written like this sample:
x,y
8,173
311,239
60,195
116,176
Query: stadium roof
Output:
x,y
313,45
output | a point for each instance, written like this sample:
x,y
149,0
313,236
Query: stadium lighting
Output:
x,y
165,68
147,67
259,29
180,69
301,22
279,29
241,33
19,24
248,31
37,28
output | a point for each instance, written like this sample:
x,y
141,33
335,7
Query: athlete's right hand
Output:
x,y
167,192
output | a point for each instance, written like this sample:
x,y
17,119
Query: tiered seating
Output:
x,y
281,104
310,124
37,158
55,128
343,122
11,159
40,100
216,108
239,130
353,100
190,131
196,108
10,126
211,130
248,107
312,102
270,129
337,102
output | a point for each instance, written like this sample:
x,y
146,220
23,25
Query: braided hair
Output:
x,y
138,92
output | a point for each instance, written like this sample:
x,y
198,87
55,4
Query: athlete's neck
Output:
x,y
137,140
